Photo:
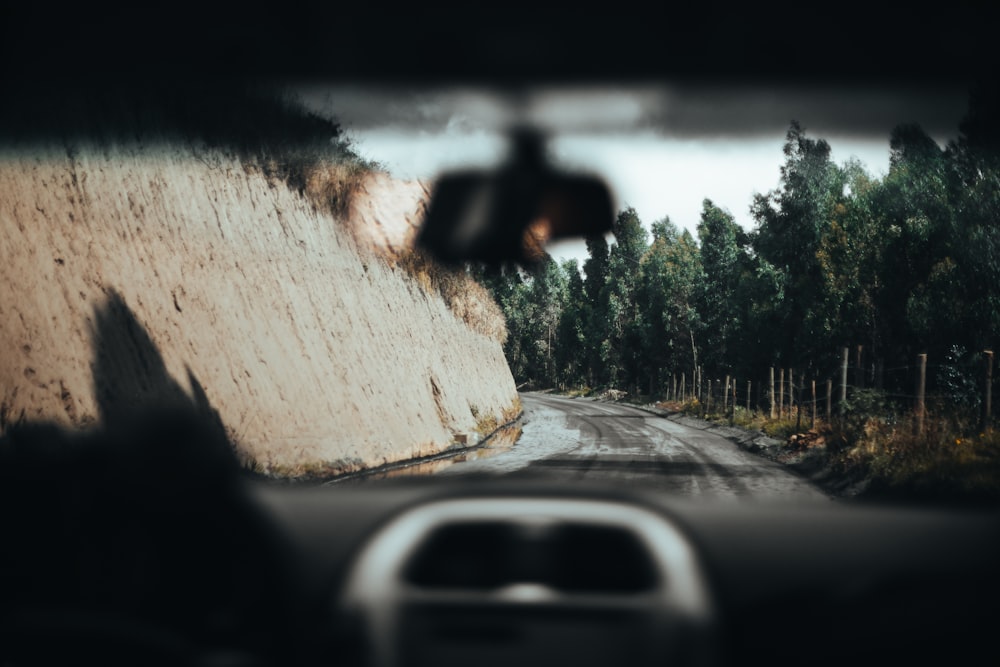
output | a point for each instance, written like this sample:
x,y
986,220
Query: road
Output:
x,y
581,439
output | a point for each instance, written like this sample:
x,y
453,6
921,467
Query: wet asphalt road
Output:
x,y
580,439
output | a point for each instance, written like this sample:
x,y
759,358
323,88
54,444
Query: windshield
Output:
x,y
796,298
436,335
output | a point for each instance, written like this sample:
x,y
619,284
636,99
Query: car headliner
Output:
x,y
500,44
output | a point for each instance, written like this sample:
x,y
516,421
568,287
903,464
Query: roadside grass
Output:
x,y
514,410
875,452
489,423
950,461
486,424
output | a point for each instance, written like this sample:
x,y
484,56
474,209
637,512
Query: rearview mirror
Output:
x,y
510,213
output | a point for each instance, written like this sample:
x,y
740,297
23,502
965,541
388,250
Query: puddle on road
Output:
x,y
501,441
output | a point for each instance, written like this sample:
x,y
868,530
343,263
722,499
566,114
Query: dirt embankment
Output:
x,y
126,269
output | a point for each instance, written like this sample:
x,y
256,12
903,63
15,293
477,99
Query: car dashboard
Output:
x,y
510,572
168,555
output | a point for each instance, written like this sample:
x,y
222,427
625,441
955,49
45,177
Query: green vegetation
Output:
x,y
903,264
875,449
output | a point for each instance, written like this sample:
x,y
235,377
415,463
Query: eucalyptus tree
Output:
x,y
722,265
670,280
919,298
621,349
571,351
975,184
791,222
595,270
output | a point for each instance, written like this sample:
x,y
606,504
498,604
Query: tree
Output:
x,y
906,263
547,295
975,187
620,349
850,256
791,222
919,290
596,272
571,351
721,262
669,276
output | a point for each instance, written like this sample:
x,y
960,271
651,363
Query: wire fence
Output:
x,y
960,383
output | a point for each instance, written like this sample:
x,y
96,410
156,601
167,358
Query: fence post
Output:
x,y
812,420
770,396
859,371
798,411
829,398
708,397
842,406
748,396
732,408
725,396
791,391
682,387
921,384
988,393
781,393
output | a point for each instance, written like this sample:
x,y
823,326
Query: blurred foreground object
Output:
x,y
510,213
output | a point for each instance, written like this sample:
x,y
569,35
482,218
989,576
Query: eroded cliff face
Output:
x,y
126,267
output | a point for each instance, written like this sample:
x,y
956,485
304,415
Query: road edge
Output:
x,y
816,472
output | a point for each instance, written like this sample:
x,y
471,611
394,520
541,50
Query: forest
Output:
x,y
900,265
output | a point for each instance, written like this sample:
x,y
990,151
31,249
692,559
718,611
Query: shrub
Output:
x,y
780,429
864,411
940,463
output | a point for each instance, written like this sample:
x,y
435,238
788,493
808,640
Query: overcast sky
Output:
x,y
661,149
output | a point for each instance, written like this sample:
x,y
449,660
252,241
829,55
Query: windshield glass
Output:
x,y
796,297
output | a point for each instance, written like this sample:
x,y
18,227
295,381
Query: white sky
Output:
x,y
661,150
656,175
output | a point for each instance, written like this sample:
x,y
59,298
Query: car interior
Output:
x,y
169,554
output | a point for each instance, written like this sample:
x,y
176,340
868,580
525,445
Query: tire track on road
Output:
x,y
627,445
